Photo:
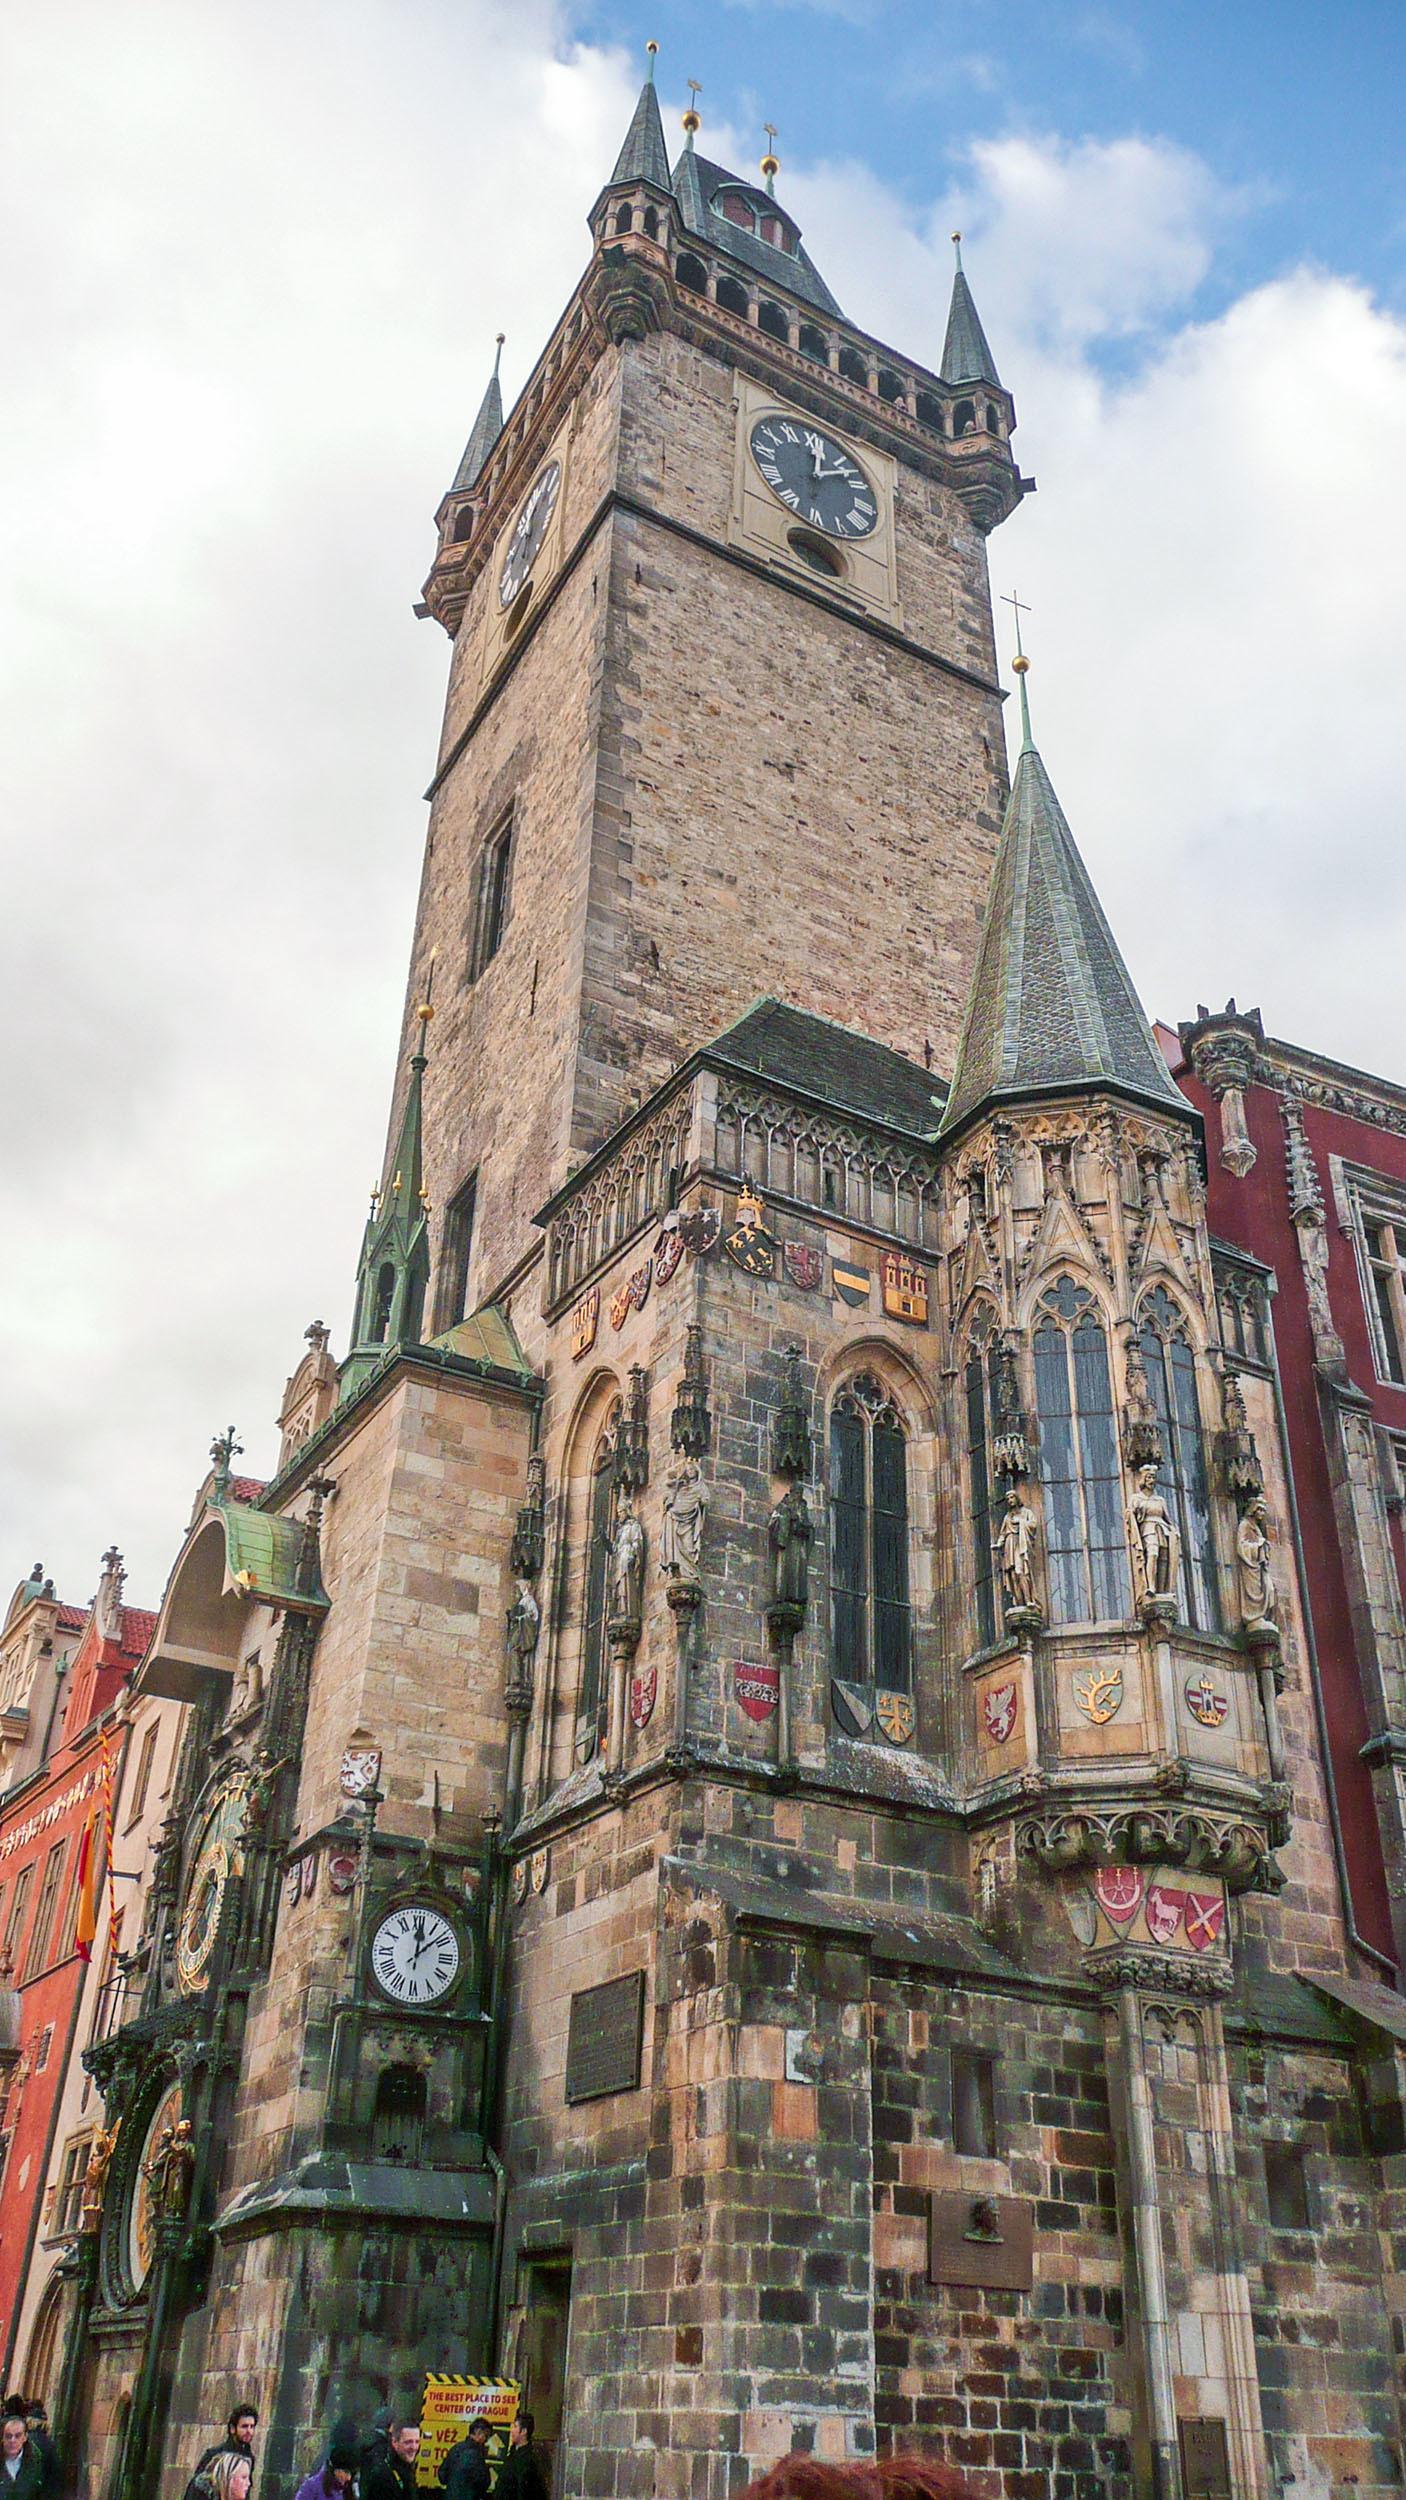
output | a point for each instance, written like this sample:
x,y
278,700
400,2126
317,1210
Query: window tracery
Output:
x,y
870,1609
593,1689
1170,1365
980,1389
789,1152
1080,1472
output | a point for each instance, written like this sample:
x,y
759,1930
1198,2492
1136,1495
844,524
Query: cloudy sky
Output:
x,y
254,258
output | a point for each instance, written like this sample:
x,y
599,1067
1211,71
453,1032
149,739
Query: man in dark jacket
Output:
x,y
238,2439
520,2476
21,2472
465,2474
394,2477
36,2414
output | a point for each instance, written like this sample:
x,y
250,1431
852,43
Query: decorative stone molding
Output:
x,y
1157,1974
834,1165
1144,1834
1224,1053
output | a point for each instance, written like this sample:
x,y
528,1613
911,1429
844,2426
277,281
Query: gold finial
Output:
x,y
957,244
651,48
771,163
693,119
1020,665
425,1012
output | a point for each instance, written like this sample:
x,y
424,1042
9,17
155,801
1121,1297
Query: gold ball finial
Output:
x,y
692,121
771,165
425,1012
1020,664
956,234
651,46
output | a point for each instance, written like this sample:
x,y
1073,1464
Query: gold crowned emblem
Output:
x,y
750,1209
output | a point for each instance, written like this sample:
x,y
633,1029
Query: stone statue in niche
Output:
x,y
789,1535
626,1603
1014,1546
1156,1544
685,1510
524,1623
100,2153
1258,1597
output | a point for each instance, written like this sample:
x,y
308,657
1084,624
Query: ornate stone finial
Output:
x,y
771,163
1010,1450
1310,1221
1224,1054
224,1450
632,1435
317,1336
107,1605
693,119
691,1425
529,1528
1236,1454
790,1431
1142,1433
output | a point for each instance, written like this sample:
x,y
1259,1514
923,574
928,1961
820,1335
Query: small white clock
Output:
x,y
415,1954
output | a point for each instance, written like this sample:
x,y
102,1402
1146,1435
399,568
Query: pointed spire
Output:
x,y
488,425
965,354
394,1268
644,157
1052,1007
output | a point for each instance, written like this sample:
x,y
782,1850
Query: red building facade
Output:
x,y
1307,1179
43,1819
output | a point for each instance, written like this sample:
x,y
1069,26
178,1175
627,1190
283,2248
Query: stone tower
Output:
x,y
722,717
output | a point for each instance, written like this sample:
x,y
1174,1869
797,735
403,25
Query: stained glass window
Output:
x,y
594,1692
979,1382
1171,1376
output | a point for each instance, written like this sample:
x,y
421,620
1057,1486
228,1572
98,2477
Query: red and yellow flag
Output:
x,y
85,1925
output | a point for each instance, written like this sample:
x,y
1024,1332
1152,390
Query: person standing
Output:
x,y
520,2476
328,2480
238,2440
465,2473
21,2472
394,2477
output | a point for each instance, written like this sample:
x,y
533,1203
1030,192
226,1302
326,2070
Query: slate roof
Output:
x,y
695,181
1052,1006
809,1055
965,354
644,157
487,427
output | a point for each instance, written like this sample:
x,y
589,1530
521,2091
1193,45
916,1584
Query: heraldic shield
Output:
x,y
894,1712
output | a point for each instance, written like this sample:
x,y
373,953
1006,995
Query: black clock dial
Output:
x,y
815,477
529,530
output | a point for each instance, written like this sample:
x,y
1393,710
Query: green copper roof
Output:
x,y
488,425
487,1337
264,1556
965,354
1052,1007
644,157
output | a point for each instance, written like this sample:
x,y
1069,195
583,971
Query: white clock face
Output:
x,y
528,533
415,1955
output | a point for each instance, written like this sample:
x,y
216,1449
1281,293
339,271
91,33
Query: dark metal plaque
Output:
x,y
604,2037
983,2240
1205,2460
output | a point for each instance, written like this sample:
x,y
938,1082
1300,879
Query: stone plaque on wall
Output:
x,y
985,2240
604,2037
1205,2460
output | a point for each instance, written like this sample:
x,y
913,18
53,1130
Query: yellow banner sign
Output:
x,y
450,2405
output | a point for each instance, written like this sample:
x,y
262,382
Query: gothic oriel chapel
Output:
x,y
751,1848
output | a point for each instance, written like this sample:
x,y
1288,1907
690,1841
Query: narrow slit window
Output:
x,y
495,880
871,1635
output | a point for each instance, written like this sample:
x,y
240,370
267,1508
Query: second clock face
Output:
x,y
815,477
415,1954
529,530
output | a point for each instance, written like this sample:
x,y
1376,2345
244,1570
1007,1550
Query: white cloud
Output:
x,y
258,257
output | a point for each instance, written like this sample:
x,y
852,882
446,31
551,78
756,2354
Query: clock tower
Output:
x,y
722,715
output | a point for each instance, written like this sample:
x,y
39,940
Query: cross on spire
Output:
x,y
1020,664
771,166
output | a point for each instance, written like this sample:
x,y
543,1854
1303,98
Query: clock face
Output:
x,y
415,1954
815,477
529,530
209,1882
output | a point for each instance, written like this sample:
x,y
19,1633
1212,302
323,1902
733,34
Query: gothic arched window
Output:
x,y
398,2120
1170,1365
593,1691
979,1382
384,1296
1085,1540
870,1639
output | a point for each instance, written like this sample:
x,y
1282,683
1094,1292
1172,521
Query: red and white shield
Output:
x,y
341,1871
1164,1912
758,1689
1000,1708
1118,1890
644,1692
803,1265
668,1250
640,1283
1205,1917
